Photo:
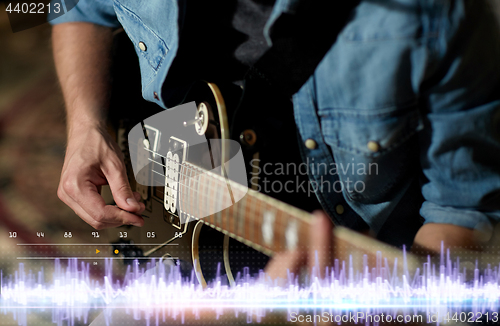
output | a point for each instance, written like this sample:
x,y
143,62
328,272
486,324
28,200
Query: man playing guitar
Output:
x,y
409,85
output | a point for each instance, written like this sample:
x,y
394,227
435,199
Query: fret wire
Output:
x,y
187,189
194,198
191,196
181,195
256,230
229,204
210,195
250,225
278,234
220,203
225,210
222,214
186,195
280,240
194,194
200,212
257,213
245,220
231,212
248,221
199,191
286,224
258,225
227,215
241,218
214,203
234,217
207,201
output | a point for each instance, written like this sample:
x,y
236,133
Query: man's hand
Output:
x,y
318,254
82,56
92,160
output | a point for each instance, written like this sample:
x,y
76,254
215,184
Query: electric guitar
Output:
x,y
198,168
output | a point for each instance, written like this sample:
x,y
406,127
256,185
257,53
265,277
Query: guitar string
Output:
x,y
197,170
252,227
197,173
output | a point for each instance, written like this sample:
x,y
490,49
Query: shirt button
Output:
x,y
373,146
142,46
339,209
156,96
311,144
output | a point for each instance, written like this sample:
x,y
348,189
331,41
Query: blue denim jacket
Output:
x,y
404,109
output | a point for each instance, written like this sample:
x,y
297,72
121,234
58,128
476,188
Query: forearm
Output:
x,y
431,235
82,57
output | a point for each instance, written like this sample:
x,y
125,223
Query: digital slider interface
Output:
x,y
155,290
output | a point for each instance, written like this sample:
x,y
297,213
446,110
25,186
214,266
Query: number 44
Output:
x,y
10,10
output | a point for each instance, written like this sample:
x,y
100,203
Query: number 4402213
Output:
x,y
33,8
471,317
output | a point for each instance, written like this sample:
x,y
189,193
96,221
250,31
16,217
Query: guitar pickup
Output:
x,y
176,155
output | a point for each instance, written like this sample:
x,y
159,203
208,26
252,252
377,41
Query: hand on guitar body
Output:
x,y
92,160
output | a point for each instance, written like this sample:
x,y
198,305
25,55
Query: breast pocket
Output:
x,y
384,20
150,48
374,151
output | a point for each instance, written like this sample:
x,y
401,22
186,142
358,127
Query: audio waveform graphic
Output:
x,y
159,292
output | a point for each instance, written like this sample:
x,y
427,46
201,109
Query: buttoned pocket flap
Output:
x,y
147,43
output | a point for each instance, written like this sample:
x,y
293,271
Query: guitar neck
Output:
x,y
268,225
256,220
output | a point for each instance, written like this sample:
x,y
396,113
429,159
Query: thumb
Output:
x,y
120,188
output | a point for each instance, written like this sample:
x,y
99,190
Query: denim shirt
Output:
x,y
404,110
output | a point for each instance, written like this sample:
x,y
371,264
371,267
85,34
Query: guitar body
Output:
x,y
265,130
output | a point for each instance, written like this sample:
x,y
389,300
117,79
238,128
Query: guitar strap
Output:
x,y
301,36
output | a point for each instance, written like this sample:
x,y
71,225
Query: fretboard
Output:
x,y
256,220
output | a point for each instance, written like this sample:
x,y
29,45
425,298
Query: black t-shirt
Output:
x,y
219,40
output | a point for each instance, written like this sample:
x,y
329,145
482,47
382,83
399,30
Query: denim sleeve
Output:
x,y
100,12
461,142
